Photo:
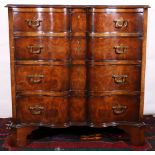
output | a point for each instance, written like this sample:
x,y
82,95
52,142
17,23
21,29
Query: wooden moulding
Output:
x,y
78,62
65,10
41,34
76,34
41,62
114,62
50,34
53,10
115,34
78,6
43,93
98,10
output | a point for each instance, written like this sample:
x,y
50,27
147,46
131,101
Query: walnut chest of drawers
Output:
x,y
77,65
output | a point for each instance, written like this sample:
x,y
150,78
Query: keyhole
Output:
x,y
78,42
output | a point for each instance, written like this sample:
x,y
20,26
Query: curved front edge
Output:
x,y
124,123
65,125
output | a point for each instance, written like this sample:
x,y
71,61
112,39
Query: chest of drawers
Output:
x,y
77,65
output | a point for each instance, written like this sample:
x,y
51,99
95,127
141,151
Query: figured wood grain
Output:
x,y
100,109
104,49
56,48
73,65
55,109
77,110
78,77
104,22
79,22
100,76
78,48
52,79
49,22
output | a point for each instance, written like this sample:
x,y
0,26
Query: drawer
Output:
x,y
41,48
78,20
114,78
40,21
46,78
115,22
115,48
78,48
113,108
39,109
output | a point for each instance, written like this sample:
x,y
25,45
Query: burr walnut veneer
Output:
x,y
77,65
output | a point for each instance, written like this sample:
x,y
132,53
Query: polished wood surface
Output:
x,y
106,22
136,134
41,22
78,65
41,48
41,78
78,78
45,110
78,48
114,77
78,109
79,21
115,48
113,108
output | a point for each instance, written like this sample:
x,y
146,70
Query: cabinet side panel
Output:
x,y
11,40
143,63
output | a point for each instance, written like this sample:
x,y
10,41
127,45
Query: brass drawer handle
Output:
x,y
36,110
119,109
120,49
34,23
120,23
120,79
35,79
35,49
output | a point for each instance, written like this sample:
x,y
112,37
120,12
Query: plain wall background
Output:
x,y
5,85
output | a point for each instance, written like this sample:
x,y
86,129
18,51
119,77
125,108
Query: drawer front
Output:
x,y
77,109
78,48
115,22
42,48
38,21
78,20
78,78
38,109
114,78
41,78
113,108
115,48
